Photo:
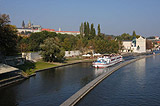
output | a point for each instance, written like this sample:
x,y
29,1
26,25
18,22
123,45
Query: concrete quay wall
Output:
x,y
82,92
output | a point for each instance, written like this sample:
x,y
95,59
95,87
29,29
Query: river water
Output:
x,y
51,87
137,84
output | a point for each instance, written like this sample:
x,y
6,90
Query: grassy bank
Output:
x,y
29,67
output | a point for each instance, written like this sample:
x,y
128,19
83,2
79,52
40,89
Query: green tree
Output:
x,y
134,33
36,39
81,29
8,36
88,29
85,29
67,45
51,50
92,32
99,30
100,46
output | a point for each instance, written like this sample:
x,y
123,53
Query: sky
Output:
x,y
115,16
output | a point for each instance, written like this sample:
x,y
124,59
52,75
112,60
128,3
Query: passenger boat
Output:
x,y
107,60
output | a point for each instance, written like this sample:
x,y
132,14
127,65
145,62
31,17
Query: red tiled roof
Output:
x,y
69,31
45,29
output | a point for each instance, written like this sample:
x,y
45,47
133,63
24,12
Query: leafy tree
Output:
x,y
85,29
100,46
8,36
36,39
51,50
80,45
81,29
134,33
22,44
92,32
99,30
67,45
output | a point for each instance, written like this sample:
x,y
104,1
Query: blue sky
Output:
x,y
114,16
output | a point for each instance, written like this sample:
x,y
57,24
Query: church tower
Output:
x,y
23,24
29,24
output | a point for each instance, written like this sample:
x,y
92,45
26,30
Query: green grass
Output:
x,y
74,58
30,67
42,65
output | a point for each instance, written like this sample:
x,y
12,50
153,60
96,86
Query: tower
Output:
x,y
59,29
29,24
23,24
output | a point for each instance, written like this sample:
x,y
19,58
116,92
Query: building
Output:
x,y
30,28
68,32
127,46
137,45
156,37
49,30
27,30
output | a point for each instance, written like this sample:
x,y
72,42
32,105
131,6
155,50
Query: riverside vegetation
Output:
x,y
53,45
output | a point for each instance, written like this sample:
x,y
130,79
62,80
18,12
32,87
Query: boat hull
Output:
x,y
104,64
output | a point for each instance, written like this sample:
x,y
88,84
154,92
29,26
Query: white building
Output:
x,y
127,46
23,30
68,32
137,45
72,53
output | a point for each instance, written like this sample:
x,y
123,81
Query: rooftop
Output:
x,y
6,68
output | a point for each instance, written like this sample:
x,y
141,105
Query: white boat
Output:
x,y
107,60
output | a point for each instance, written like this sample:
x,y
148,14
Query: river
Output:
x,y
50,87
136,84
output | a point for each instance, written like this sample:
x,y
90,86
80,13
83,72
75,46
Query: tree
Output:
x,y
134,33
36,39
85,28
99,30
8,36
100,46
67,45
51,50
81,29
92,32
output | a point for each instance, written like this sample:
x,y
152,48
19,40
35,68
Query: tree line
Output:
x,y
53,45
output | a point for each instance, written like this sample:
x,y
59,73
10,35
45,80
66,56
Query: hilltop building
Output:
x,y
30,28
26,30
137,45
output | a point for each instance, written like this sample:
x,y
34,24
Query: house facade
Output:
x,y
137,45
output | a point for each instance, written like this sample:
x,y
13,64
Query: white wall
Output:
x,y
127,45
72,53
141,42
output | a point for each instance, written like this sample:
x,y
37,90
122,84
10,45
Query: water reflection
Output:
x,y
50,87
140,68
99,71
135,84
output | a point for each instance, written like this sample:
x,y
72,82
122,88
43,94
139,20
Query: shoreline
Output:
x,y
66,64
75,98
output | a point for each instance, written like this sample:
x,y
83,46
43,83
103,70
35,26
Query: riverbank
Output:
x,y
74,99
41,65
31,68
